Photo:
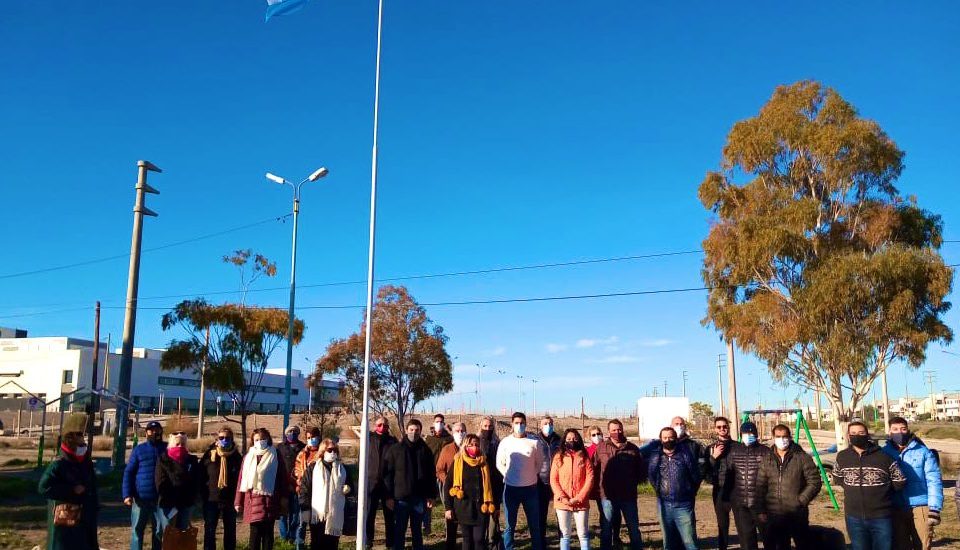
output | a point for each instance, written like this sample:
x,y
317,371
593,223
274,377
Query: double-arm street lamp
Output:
x,y
317,174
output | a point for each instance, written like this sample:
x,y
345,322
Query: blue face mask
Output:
x,y
547,430
262,444
314,441
224,443
749,439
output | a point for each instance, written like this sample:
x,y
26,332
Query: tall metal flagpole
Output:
x,y
368,333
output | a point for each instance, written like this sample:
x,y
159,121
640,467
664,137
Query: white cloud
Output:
x,y
556,348
497,351
591,342
658,343
617,360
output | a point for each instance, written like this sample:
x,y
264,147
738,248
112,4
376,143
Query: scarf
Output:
x,y
74,456
216,452
456,491
259,471
326,497
179,454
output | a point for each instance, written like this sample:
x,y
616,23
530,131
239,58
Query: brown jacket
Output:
x,y
619,470
307,456
445,460
571,477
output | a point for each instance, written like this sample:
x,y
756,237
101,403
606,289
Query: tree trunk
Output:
x,y
839,421
243,428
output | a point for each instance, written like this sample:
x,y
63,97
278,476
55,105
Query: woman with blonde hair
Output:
x,y
322,496
261,487
468,494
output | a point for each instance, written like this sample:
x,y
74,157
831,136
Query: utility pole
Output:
x,y
664,388
520,392
720,409
886,400
479,382
684,383
94,396
732,380
203,391
931,378
130,318
534,380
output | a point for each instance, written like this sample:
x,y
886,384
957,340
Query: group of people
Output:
x,y
893,495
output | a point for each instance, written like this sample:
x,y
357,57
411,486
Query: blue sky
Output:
x,y
512,133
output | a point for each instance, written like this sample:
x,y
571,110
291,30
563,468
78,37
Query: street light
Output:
x,y
317,174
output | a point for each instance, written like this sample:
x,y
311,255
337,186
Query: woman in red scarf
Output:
x,y
178,478
70,480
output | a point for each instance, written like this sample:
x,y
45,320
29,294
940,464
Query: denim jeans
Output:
x,y
513,498
290,522
411,511
142,513
564,520
678,525
870,534
610,513
214,512
181,520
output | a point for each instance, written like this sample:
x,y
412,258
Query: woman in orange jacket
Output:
x,y
571,478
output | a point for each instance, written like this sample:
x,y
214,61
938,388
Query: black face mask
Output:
x,y
486,434
901,439
573,445
860,441
670,444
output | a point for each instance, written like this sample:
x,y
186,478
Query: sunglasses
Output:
x,y
724,427
222,438
178,433
595,434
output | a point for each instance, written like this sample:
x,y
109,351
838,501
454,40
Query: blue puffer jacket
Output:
x,y
919,466
683,474
138,477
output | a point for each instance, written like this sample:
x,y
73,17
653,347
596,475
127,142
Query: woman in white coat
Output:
x,y
323,490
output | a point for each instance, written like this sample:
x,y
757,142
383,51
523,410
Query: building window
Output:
x,y
68,377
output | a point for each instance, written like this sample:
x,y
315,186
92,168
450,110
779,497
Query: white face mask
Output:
x,y
680,431
82,451
329,457
782,442
438,427
519,429
458,438
597,439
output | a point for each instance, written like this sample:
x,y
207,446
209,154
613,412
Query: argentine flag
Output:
x,y
283,7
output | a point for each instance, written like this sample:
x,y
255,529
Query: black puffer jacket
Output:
x,y
719,472
788,485
744,463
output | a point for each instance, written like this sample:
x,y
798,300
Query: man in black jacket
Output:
x,y
219,474
379,443
288,450
869,477
439,438
552,441
787,483
410,483
718,455
744,463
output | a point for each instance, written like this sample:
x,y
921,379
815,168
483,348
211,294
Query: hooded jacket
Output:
x,y
868,481
744,462
786,485
919,465
571,477
138,476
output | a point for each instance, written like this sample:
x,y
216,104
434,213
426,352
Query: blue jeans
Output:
x,y
529,497
411,511
181,520
678,525
870,534
291,521
610,513
142,513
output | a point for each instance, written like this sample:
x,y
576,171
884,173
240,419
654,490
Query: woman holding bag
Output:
x,y
571,478
261,487
177,477
468,494
71,483
323,489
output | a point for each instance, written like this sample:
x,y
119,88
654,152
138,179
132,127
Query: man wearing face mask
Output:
x,y
438,439
619,467
288,449
444,463
788,481
307,456
140,488
721,477
488,447
552,442
869,478
675,476
744,469
410,481
379,440
916,508
520,459
219,474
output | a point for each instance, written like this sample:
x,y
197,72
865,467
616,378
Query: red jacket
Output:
x,y
263,507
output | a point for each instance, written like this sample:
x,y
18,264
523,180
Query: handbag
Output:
x,y
180,539
66,514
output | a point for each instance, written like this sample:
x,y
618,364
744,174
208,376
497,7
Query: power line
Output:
x,y
127,255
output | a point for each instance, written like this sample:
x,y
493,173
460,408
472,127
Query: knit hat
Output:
x,y
291,429
748,428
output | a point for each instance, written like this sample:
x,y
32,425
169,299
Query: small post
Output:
x,y
94,395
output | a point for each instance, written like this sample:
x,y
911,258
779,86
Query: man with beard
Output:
x,y
379,443
718,456
488,446
140,489
409,476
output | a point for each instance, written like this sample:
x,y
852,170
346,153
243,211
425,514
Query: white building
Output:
x,y
50,367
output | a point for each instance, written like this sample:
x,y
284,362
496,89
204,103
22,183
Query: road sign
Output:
x,y
34,402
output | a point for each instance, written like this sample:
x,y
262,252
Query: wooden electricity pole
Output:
x,y
732,380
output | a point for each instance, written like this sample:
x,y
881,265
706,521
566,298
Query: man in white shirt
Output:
x,y
520,457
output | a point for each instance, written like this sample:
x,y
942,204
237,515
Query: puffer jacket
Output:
x,y
177,484
552,443
924,481
787,485
571,477
308,455
675,478
263,507
744,463
719,471
138,476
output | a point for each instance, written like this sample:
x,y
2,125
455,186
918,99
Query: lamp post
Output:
x,y
317,174
534,381
519,392
479,381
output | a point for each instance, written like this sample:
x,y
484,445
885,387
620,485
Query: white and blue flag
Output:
x,y
283,7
